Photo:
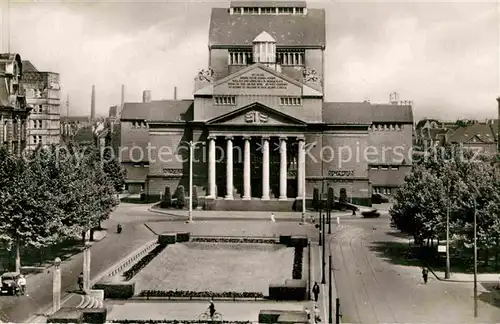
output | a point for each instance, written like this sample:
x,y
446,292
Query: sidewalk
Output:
x,y
39,286
467,277
208,215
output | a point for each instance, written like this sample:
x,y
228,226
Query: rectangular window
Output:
x,y
240,57
290,101
290,57
299,11
394,168
225,100
373,167
39,139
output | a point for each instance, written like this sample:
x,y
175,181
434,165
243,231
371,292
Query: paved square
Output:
x,y
217,267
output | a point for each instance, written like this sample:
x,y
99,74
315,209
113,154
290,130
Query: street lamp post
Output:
x,y
191,145
323,281
447,270
475,258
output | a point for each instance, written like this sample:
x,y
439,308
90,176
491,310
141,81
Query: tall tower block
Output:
x,y
92,104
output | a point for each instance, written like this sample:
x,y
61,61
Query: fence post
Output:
x,y
337,311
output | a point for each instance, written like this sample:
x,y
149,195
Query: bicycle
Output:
x,y
206,316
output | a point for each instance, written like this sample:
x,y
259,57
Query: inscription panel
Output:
x,y
257,81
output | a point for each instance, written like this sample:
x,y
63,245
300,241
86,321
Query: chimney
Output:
x,y
146,96
92,104
175,93
122,102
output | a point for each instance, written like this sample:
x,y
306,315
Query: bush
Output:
x,y
167,238
167,199
94,315
181,197
199,294
291,290
130,273
343,196
116,290
315,201
298,241
195,197
182,237
233,240
297,262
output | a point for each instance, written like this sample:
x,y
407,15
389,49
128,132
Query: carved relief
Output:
x,y
205,75
310,75
291,174
341,173
172,171
256,117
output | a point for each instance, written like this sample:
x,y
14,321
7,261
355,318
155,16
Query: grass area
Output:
x,y
39,257
400,253
217,267
492,295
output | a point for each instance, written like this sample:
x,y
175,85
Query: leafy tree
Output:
x,y
181,197
195,197
113,169
167,199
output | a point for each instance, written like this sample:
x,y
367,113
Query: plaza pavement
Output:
x,y
374,290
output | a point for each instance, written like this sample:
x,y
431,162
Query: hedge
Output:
x,y
290,290
167,238
199,294
176,321
298,241
297,262
116,290
181,197
182,237
95,315
167,199
130,273
232,240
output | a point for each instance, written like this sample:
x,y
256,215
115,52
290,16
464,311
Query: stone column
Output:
x,y
246,171
211,166
229,168
86,267
265,168
283,169
2,125
301,168
10,134
56,286
19,135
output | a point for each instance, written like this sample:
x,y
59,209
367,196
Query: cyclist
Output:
x,y
211,309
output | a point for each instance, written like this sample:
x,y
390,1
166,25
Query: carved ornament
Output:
x,y
205,75
310,75
256,117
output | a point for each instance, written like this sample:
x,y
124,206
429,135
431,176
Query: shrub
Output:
x,y
181,197
195,197
167,238
167,199
315,201
290,290
94,315
182,237
297,262
343,196
233,240
130,273
298,241
116,290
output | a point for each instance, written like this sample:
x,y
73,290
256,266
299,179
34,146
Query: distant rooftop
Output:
x,y
29,67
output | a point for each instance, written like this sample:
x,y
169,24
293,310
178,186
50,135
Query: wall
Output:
x,y
133,142
219,62
390,146
314,60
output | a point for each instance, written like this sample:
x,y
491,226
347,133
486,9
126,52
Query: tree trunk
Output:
x,y
91,235
18,258
496,255
84,234
486,257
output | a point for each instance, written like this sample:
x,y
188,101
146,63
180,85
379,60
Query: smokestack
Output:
x,y
175,93
92,104
146,96
122,102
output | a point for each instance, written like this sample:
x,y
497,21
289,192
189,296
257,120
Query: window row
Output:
x,y
383,190
384,167
37,109
225,100
290,101
36,124
139,124
290,58
385,127
36,139
268,11
240,58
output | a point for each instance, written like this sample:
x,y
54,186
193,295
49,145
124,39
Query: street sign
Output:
x,y
442,248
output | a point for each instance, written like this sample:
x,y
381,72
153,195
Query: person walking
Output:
x,y
317,318
308,314
272,218
315,291
425,274
21,283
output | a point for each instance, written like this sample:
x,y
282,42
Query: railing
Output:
x,y
127,263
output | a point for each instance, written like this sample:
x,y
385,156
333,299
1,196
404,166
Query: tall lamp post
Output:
x,y
475,258
302,165
447,270
191,145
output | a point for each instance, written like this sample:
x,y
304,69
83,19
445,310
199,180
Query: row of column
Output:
x,y
265,168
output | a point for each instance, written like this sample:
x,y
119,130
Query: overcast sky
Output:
x,y
443,56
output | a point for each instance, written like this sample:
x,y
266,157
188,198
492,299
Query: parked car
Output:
x,y
9,283
378,198
373,213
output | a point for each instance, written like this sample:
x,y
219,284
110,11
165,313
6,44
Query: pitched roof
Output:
x,y
264,37
472,132
288,30
386,113
160,110
29,67
347,113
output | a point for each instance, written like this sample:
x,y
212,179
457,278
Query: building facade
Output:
x,y
42,91
14,111
258,123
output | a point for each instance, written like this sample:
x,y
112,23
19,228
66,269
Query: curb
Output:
x,y
455,280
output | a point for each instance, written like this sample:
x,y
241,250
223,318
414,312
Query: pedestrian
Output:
x,y
21,282
425,274
308,313
80,281
317,318
272,218
316,291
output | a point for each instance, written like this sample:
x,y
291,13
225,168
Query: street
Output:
x,y
374,290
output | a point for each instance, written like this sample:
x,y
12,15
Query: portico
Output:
x,y
264,157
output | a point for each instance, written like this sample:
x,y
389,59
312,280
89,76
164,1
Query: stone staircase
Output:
x,y
88,301
254,204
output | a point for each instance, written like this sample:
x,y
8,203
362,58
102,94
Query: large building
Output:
x,y
43,95
261,128
13,109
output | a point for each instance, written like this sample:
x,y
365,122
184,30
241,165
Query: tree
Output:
x,y
315,201
195,197
113,169
167,199
181,197
343,198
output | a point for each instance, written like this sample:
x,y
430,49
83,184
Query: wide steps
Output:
x,y
90,302
254,204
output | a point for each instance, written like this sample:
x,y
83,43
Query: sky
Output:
x,y
444,56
